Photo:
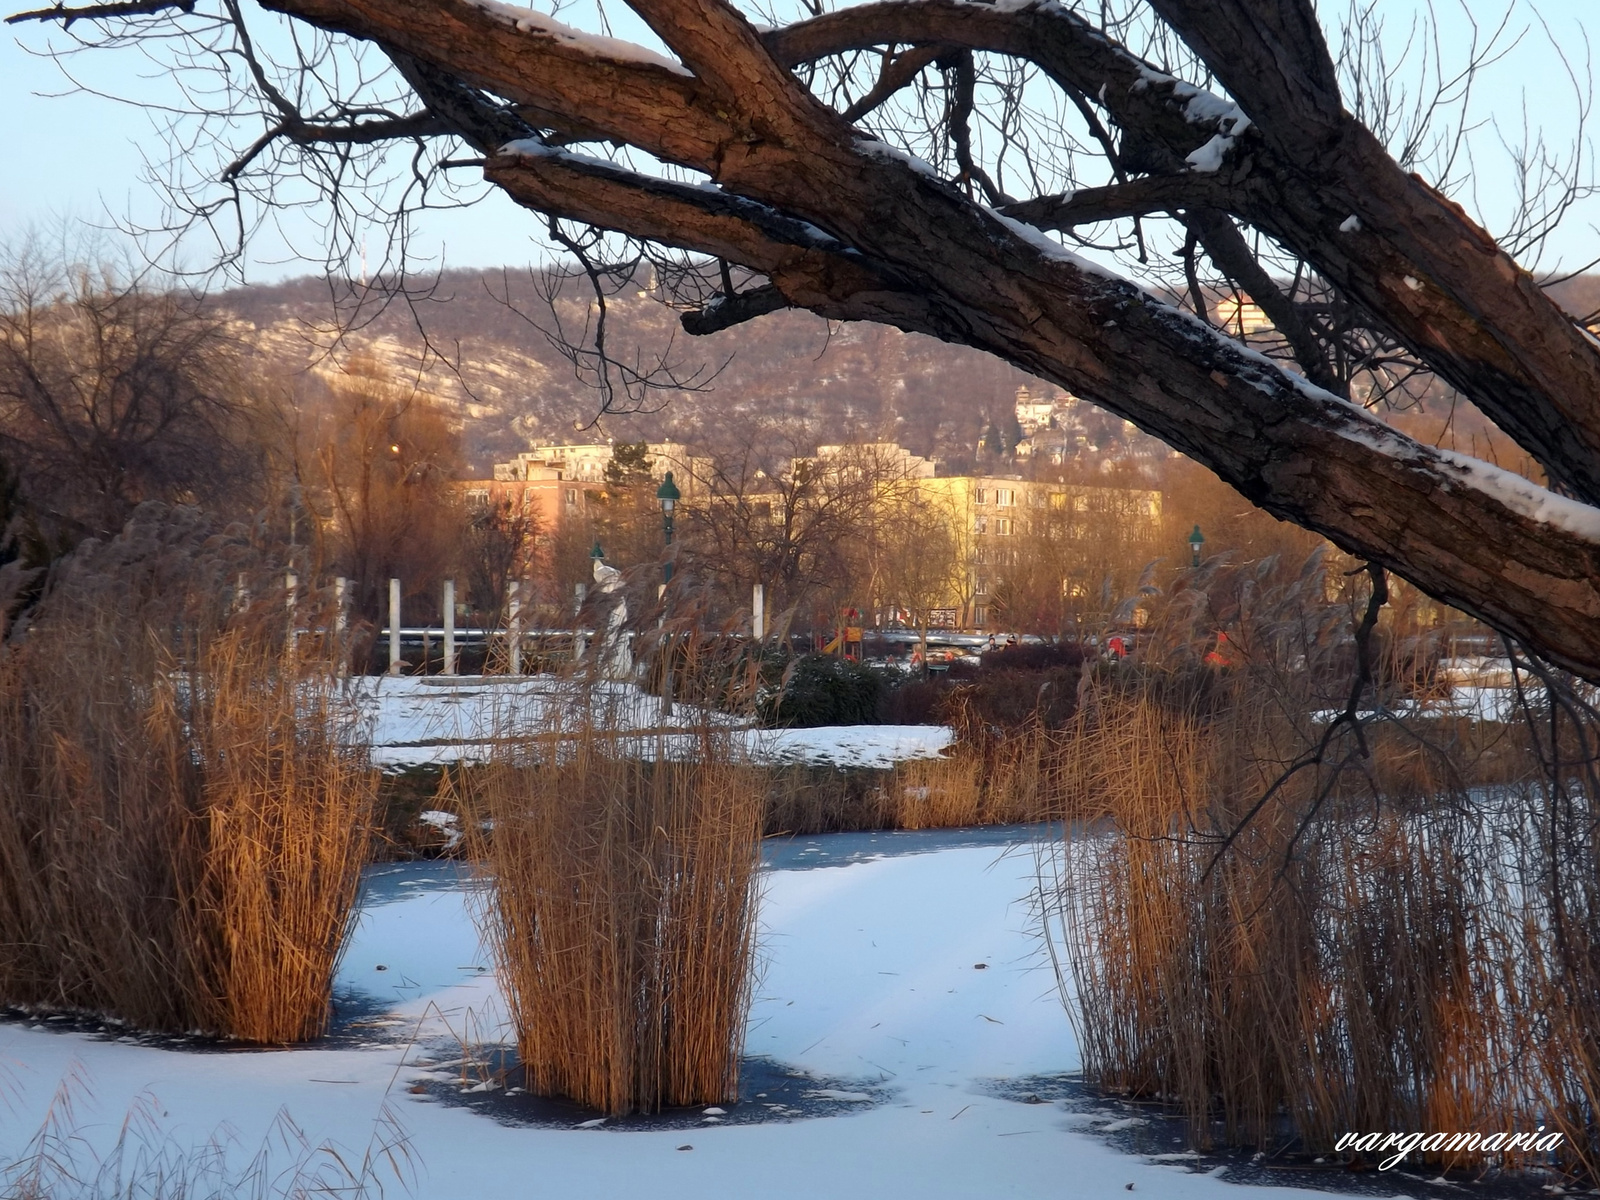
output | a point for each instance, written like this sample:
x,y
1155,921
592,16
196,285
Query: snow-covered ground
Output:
x,y
437,719
918,977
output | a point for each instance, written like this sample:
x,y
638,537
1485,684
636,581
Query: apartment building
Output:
x,y
1000,519
586,464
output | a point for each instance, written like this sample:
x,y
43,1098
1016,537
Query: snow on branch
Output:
x,y
527,20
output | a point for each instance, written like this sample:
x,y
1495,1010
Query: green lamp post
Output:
x,y
1196,540
669,496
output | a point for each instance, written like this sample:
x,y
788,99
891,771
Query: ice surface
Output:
x,y
869,973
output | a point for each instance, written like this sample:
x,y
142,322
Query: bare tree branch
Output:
x,y
100,12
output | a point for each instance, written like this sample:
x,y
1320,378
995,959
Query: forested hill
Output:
x,y
853,380
511,385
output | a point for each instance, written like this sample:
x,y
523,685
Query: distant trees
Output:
x,y
626,517
797,523
502,535
386,460
113,393
921,566
1079,550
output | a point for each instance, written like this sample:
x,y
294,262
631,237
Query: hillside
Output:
x,y
477,342
513,386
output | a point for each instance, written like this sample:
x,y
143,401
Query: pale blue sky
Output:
x,y
80,155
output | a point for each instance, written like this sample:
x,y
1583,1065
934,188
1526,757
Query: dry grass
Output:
x,y
145,1162
1353,946
622,915
184,810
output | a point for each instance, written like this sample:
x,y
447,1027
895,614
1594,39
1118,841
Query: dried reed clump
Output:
x,y
1284,947
804,799
622,914
284,831
184,805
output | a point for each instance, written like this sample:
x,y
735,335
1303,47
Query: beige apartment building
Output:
x,y
554,483
1001,519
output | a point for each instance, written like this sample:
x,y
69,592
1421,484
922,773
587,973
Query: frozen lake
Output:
x,y
903,970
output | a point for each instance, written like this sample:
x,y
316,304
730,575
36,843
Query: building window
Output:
x,y
1002,526
1058,499
980,525
1005,497
572,497
1080,504
980,495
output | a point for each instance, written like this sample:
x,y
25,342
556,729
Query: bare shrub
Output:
x,y
622,912
802,799
184,805
1289,938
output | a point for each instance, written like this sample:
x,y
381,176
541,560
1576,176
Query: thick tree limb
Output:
x,y
1272,58
1474,317
538,64
730,309
725,52
808,268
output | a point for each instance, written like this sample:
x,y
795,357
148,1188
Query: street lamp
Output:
x,y
597,554
1196,540
669,495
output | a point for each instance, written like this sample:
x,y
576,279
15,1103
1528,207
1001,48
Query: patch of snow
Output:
x,y
528,20
876,149
534,148
446,823
528,148
1209,157
1351,224
1413,283
1149,76
1201,106
1125,1123
1523,496
871,746
1051,248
